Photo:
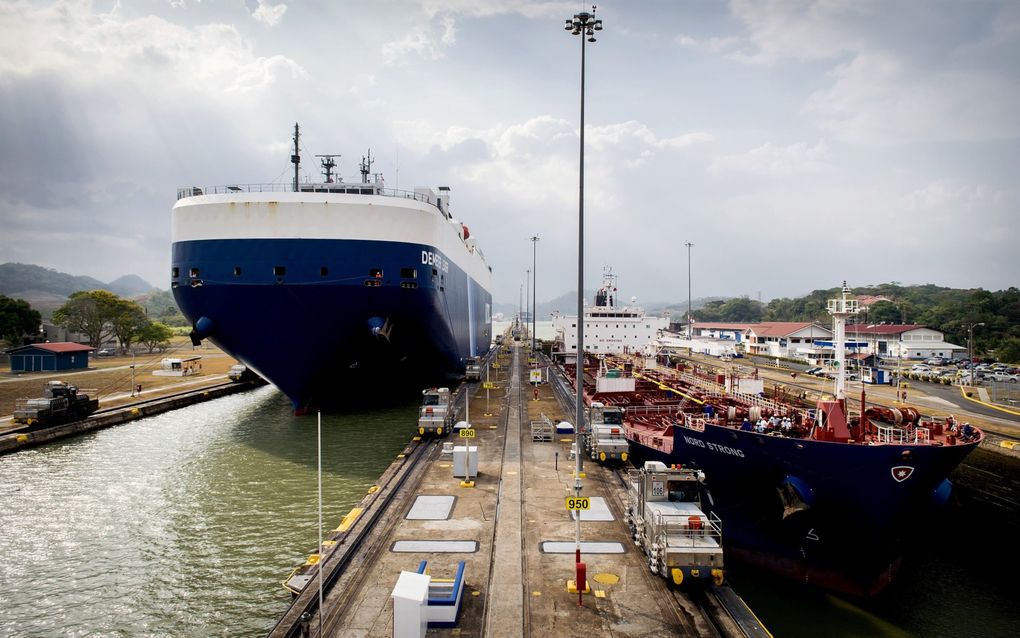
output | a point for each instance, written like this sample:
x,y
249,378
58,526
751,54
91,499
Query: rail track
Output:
x,y
364,540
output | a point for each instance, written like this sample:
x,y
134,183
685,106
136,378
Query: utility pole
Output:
x,y
970,348
690,335
585,25
527,295
534,288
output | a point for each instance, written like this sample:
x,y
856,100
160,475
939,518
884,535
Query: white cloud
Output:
x,y
530,161
270,14
801,29
601,137
879,99
484,8
70,39
424,42
774,161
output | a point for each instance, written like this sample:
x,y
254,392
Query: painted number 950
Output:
x,y
578,503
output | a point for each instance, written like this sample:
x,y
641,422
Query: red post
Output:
x,y
582,580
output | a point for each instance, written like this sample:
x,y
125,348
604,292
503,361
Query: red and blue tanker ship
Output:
x,y
825,495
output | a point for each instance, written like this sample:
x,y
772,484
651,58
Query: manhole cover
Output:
x,y
606,579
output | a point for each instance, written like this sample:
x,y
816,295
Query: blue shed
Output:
x,y
49,357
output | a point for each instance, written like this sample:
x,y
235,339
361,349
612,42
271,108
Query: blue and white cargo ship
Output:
x,y
307,283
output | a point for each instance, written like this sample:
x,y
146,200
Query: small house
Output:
x,y
174,367
49,357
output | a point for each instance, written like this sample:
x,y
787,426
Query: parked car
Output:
x,y
935,361
104,353
920,367
814,370
1004,376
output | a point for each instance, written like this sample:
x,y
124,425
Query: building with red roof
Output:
x,y
783,338
49,357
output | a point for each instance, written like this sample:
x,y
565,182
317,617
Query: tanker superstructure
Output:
x,y
310,282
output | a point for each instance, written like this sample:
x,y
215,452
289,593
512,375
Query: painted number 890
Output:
x,y
578,503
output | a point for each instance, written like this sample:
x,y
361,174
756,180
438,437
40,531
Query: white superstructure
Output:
x,y
608,328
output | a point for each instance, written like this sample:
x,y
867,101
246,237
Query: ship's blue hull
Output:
x,y
851,517
304,313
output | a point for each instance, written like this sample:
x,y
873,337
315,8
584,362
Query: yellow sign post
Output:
x,y
467,433
577,503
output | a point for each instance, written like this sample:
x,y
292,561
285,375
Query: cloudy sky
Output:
x,y
795,143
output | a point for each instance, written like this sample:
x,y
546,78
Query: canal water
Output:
x,y
185,524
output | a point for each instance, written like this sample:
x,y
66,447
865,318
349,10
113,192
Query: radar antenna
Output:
x,y
327,166
366,166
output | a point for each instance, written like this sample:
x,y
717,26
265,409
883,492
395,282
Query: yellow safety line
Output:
x,y
987,405
669,389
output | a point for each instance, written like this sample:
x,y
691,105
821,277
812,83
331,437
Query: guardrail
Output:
x,y
340,188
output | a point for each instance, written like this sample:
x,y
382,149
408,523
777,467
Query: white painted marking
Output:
x,y
435,547
431,508
594,547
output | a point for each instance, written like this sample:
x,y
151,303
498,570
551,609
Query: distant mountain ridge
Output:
x,y
47,289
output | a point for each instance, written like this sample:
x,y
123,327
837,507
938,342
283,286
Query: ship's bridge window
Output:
x,y
279,271
195,272
409,273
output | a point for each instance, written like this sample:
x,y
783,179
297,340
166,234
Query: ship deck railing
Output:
x,y
715,390
668,408
900,436
352,188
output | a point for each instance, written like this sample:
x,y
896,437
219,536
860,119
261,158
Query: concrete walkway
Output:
x,y
505,613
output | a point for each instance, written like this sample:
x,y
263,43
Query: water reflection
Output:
x,y
180,524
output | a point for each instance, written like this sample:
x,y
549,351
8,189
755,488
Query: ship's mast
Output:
x,y
327,166
840,309
366,166
295,159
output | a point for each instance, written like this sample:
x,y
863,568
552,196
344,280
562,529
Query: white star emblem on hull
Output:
x,y
902,472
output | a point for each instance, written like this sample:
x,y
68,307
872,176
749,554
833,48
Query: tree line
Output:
x,y
99,315
992,317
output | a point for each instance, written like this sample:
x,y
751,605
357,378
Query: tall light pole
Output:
x,y
520,308
534,286
527,295
585,25
970,348
689,333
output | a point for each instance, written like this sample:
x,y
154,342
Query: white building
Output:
x,y
783,338
906,341
608,328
